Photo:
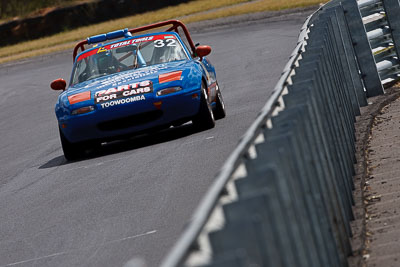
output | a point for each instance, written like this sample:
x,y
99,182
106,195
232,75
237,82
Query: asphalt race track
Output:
x,y
133,198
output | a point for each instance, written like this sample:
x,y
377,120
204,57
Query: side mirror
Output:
x,y
58,84
203,50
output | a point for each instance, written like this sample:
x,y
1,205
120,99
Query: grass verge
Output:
x,y
23,8
192,11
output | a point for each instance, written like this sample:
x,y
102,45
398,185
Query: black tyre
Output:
x,y
219,111
204,120
72,151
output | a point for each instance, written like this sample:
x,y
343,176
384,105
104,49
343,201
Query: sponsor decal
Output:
x,y
125,77
122,92
102,49
129,42
123,101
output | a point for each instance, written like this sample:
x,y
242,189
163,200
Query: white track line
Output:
x,y
66,252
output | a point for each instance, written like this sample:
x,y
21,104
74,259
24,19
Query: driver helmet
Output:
x,y
104,62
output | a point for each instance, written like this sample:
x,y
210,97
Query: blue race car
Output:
x,y
127,84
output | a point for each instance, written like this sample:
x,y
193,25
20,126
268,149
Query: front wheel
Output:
x,y
204,120
72,151
219,111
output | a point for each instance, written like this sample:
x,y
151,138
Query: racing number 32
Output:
x,y
162,43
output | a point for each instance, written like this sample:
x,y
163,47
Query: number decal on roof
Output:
x,y
171,42
161,43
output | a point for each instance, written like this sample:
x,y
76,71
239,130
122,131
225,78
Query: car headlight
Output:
x,y
82,110
169,90
76,98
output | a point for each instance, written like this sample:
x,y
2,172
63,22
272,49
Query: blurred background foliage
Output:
x,y
21,8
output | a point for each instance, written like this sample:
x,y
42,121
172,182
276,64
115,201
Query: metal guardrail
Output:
x,y
202,214
381,22
284,196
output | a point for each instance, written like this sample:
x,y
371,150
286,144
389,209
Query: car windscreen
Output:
x,y
126,55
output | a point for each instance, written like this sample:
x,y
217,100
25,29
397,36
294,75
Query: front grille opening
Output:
x,y
130,121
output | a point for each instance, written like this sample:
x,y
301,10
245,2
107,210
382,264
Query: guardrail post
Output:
x,y
244,233
288,149
362,47
300,218
236,258
392,10
341,56
330,126
351,58
369,71
345,131
347,54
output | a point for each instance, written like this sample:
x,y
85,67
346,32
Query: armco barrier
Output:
x,y
284,196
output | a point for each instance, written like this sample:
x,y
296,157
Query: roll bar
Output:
x,y
174,25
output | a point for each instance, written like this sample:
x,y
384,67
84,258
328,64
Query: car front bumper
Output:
x,y
105,123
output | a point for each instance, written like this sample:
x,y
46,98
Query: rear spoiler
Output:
x,y
174,25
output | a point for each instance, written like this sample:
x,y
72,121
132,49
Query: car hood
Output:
x,y
131,76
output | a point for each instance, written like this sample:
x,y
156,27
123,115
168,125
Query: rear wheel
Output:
x,y
204,120
219,111
72,151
